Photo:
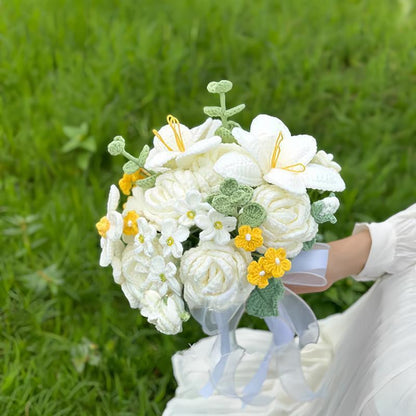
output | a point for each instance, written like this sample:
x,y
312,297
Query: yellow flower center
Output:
x,y
190,215
176,128
162,277
141,238
103,226
218,225
170,241
130,223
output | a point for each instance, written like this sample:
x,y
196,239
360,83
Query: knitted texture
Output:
x,y
324,210
231,197
253,214
263,302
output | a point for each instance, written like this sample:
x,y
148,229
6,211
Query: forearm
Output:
x,y
346,257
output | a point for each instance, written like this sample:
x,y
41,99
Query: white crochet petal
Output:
x,y
264,124
201,147
297,149
132,294
322,178
206,129
260,147
168,136
158,158
289,181
113,198
240,167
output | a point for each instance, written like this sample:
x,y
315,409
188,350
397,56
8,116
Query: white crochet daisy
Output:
x,y
172,236
215,226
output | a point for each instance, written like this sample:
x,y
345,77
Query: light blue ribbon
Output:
x,y
295,318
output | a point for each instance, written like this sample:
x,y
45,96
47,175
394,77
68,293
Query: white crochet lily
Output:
x,y
172,236
190,207
143,240
162,277
110,228
177,142
215,226
276,157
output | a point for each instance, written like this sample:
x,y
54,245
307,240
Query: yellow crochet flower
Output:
x,y
130,223
248,238
127,181
275,262
257,275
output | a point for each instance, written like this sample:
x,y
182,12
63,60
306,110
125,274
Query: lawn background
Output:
x,y
342,71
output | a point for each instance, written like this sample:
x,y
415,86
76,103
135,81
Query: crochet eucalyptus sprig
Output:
x,y
134,164
221,88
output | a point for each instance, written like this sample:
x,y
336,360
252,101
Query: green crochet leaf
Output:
x,y
143,155
307,245
253,214
263,302
148,182
322,212
229,186
222,86
222,204
225,135
130,167
234,110
232,124
213,111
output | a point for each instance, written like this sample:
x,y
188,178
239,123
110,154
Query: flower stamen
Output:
x,y
176,128
103,226
296,168
218,225
276,150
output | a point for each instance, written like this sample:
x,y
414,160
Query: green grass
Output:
x,y
343,71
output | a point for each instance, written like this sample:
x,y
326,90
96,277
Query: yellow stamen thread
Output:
x,y
296,168
103,226
276,150
156,133
176,128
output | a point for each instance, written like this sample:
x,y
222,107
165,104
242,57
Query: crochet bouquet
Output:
x,y
218,220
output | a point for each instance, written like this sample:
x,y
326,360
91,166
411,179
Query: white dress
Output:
x,y
364,362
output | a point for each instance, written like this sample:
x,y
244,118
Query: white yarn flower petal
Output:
x,y
265,124
113,198
260,148
297,149
157,159
286,180
240,167
323,178
206,129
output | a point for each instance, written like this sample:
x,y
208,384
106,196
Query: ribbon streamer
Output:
x,y
295,318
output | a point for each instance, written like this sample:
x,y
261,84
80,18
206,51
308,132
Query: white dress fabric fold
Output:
x,y
365,359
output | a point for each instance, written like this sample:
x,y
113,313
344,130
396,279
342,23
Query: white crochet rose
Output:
x,y
158,203
135,269
204,164
215,276
289,222
166,312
